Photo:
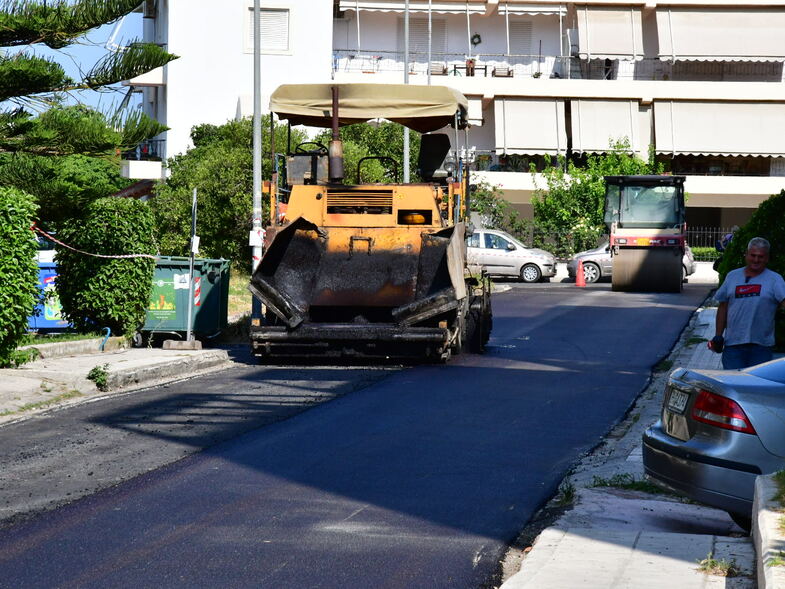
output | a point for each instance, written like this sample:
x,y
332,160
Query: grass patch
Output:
x,y
636,417
696,340
100,377
663,365
779,480
42,404
32,339
777,561
722,567
628,482
566,494
239,295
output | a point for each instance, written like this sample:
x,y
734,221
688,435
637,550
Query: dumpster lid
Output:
x,y
422,108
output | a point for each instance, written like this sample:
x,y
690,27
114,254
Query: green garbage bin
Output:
x,y
168,309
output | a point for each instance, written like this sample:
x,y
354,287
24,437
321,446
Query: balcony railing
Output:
x,y
552,66
150,150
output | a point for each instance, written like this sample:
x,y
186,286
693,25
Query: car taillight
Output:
x,y
721,412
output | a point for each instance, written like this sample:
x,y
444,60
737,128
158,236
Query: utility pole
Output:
x,y
256,241
406,81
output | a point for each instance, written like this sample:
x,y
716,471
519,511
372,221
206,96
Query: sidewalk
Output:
x,y
612,537
59,377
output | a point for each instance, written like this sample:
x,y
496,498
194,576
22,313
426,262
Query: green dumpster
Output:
x,y
168,309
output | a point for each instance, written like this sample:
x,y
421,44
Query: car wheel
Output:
x,y
591,272
531,273
744,521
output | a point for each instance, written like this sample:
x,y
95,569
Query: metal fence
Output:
x,y
703,241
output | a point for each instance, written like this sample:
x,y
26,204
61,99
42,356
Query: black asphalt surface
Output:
x,y
420,480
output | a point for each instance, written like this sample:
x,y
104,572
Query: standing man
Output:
x,y
748,300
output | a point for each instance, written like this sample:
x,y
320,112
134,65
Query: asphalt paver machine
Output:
x,y
369,270
645,217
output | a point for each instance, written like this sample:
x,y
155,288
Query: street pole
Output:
x,y
256,231
194,247
406,81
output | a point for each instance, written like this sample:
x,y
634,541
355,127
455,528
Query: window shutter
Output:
x,y
520,37
274,24
418,35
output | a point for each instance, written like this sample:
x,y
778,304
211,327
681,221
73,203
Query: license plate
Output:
x,y
642,241
677,401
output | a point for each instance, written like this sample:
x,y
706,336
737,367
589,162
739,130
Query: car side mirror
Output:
x,y
511,247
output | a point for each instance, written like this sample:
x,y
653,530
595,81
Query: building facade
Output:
x,y
699,83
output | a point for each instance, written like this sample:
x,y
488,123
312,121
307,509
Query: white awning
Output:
x,y
720,128
514,8
529,126
598,123
420,6
726,33
610,32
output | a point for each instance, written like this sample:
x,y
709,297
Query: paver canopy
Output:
x,y
422,108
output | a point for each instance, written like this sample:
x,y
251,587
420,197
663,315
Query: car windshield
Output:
x,y
774,371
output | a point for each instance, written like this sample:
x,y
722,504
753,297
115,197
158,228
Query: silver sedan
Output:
x,y
718,430
500,254
597,263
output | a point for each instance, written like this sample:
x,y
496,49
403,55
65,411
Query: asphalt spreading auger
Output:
x,y
369,270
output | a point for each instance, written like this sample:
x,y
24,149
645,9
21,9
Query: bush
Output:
x,y
18,269
107,292
766,222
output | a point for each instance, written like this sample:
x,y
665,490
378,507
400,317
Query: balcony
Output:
x,y
144,162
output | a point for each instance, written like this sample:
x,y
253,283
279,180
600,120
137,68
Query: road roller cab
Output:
x,y
645,216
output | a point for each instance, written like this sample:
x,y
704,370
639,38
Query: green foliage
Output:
x,y
100,376
496,212
384,140
27,79
765,222
220,166
18,269
570,207
101,292
63,186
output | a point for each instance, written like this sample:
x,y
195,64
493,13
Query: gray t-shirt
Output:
x,y
752,304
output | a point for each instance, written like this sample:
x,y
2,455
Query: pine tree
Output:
x,y
30,83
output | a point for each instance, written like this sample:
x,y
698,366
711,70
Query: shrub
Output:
x,y
766,222
18,269
107,292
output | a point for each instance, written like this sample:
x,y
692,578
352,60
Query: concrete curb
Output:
x,y
77,347
172,370
769,539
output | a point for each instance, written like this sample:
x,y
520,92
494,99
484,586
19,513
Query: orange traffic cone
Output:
x,y
580,278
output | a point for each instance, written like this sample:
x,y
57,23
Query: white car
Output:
x,y
500,254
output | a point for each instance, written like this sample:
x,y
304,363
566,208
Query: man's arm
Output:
x,y
722,318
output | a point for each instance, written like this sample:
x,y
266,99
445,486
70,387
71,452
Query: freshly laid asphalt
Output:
x,y
171,520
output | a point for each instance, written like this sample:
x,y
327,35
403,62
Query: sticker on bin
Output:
x,y
677,401
181,282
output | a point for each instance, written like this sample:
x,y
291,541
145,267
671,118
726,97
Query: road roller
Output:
x,y
364,270
645,216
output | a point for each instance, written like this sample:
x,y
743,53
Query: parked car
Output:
x,y
500,254
718,430
597,263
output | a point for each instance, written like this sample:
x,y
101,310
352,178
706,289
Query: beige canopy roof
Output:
x,y
422,108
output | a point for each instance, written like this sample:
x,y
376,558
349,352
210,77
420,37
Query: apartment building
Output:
x,y
700,83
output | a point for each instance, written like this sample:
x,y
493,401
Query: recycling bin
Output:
x,y
47,314
168,308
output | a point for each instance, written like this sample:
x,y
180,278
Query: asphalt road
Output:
x,y
419,480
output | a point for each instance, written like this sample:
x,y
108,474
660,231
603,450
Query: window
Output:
x,y
520,37
496,242
474,240
418,36
274,23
